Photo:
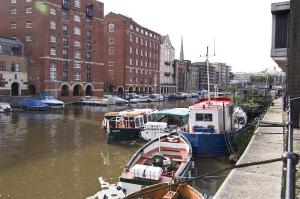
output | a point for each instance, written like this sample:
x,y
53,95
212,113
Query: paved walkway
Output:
x,y
262,181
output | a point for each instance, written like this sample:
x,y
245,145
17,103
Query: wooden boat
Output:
x,y
212,124
166,191
165,122
164,160
125,125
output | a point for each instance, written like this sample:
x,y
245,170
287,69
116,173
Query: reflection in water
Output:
x,y
62,154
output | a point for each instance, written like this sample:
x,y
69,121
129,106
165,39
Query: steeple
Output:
x,y
181,50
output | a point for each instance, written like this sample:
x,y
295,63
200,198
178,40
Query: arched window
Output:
x,y
111,27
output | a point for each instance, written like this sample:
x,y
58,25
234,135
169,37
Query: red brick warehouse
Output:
x,y
63,41
132,56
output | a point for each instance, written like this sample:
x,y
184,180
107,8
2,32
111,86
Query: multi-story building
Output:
x,y
132,56
13,67
222,73
192,83
203,75
181,74
167,66
63,42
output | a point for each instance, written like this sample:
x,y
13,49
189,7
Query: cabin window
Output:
x,y
203,117
137,122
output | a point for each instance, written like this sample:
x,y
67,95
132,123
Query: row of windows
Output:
x,y
143,63
15,67
28,24
141,71
15,1
76,30
65,42
65,54
143,42
28,10
143,53
140,30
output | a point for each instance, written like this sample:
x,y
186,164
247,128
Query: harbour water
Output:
x,y
61,154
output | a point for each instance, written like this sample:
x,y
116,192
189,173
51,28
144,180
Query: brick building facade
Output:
x,y
63,42
132,56
13,67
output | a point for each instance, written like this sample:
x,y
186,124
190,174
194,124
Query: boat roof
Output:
x,y
111,114
173,111
214,103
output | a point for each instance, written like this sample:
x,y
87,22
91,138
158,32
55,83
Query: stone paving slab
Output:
x,y
261,181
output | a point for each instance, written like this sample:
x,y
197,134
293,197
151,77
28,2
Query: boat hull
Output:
x,y
122,134
209,144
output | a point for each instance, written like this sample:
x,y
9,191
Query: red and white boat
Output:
x,y
164,160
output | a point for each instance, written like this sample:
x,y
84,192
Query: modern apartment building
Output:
x,y
222,73
13,67
63,42
132,56
286,49
167,66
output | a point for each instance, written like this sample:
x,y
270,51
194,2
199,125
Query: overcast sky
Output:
x,y
241,28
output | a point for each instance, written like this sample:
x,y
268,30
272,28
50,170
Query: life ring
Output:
x,y
173,138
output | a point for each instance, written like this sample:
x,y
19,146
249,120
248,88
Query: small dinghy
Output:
x,y
164,160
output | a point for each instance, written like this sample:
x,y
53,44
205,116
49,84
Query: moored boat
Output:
x,y
33,104
166,191
51,101
125,125
5,107
165,122
164,160
212,124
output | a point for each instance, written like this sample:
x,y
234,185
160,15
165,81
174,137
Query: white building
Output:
x,y
167,66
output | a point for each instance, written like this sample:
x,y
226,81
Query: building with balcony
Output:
x,y
280,20
167,66
132,56
193,74
202,66
286,49
221,73
63,42
13,67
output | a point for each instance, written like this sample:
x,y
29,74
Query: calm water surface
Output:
x,y
61,154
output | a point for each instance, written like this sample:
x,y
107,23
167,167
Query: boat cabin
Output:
x,y
213,116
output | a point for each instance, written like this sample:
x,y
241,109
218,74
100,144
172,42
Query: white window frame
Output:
x,y
77,44
131,27
77,77
77,18
77,55
52,39
130,37
77,3
28,25
28,10
28,38
77,30
52,24
77,65
13,25
53,51
111,27
130,61
52,11
13,1
52,72
136,40
111,63
13,11
111,51
130,50
111,40
27,1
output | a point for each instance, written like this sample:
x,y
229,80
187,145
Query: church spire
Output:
x,y
181,50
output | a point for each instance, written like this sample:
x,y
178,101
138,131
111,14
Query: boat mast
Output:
x,y
208,84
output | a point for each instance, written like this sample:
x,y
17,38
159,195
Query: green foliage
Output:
x,y
242,139
269,78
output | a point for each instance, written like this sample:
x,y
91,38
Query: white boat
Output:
x,y
165,122
51,101
94,101
163,160
156,98
5,107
